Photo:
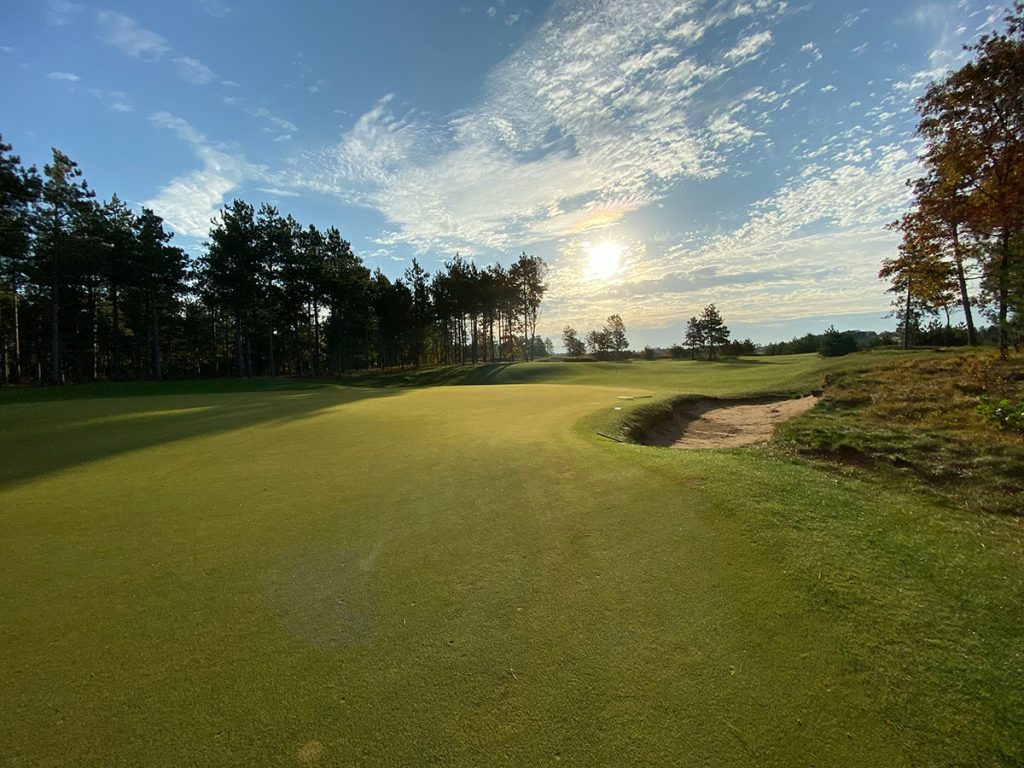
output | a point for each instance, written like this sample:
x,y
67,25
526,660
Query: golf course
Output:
x,y
477,565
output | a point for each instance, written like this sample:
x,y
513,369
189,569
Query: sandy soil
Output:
x,y
724,424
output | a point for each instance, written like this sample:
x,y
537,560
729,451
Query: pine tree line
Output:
x,y
92,290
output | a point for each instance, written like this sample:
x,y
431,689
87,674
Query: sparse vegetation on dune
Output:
x,y
920,416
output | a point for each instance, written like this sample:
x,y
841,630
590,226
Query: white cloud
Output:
x,y
811,249
188,202
126,35
726,131
606,109
511,19
491,12
193,70
812,49
65,77
597,111
277,192
749,48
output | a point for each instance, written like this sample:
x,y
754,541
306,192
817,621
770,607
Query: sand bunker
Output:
x,y
709,423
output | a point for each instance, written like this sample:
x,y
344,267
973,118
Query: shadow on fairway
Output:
x,y
38,439
460,375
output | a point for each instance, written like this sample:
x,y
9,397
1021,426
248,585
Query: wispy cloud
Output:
x,y
598,106
190,201
65,77
60,13
279,127
193,70
124,33
809,250
748,48
812,49
215,8
115,101
274,192
604,111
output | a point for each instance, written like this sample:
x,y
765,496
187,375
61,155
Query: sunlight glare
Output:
x,y
603,260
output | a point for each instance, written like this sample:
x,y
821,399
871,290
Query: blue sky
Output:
x,y
659,155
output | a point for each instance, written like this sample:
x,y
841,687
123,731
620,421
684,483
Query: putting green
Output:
x,y
469,576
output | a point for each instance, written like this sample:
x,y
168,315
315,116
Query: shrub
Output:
x,y
1007,414
836,344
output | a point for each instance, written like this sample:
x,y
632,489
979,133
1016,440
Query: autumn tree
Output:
x,y
972,122
918,274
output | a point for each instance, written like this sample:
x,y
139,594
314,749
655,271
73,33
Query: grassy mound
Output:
x,y
919,416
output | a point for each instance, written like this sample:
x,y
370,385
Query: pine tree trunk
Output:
x,y
472,321
95,333
906,320
316,339
5,363
115,333
1004,294
961,279
55,326
270,337
17,333
239,351
158,373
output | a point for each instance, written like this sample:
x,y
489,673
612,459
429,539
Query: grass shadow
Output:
x,y
46,437
456,375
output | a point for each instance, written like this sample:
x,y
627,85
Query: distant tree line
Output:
x,y
967,219
92,290
606,343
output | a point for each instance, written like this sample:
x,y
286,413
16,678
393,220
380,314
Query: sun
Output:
x,y
603,260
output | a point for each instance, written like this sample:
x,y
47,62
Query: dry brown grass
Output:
x,y
919,416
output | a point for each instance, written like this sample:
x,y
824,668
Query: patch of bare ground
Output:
x,y
711,423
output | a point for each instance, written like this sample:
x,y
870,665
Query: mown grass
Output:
x,y
399,575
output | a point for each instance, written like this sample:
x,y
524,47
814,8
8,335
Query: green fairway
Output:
x,y
395,574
